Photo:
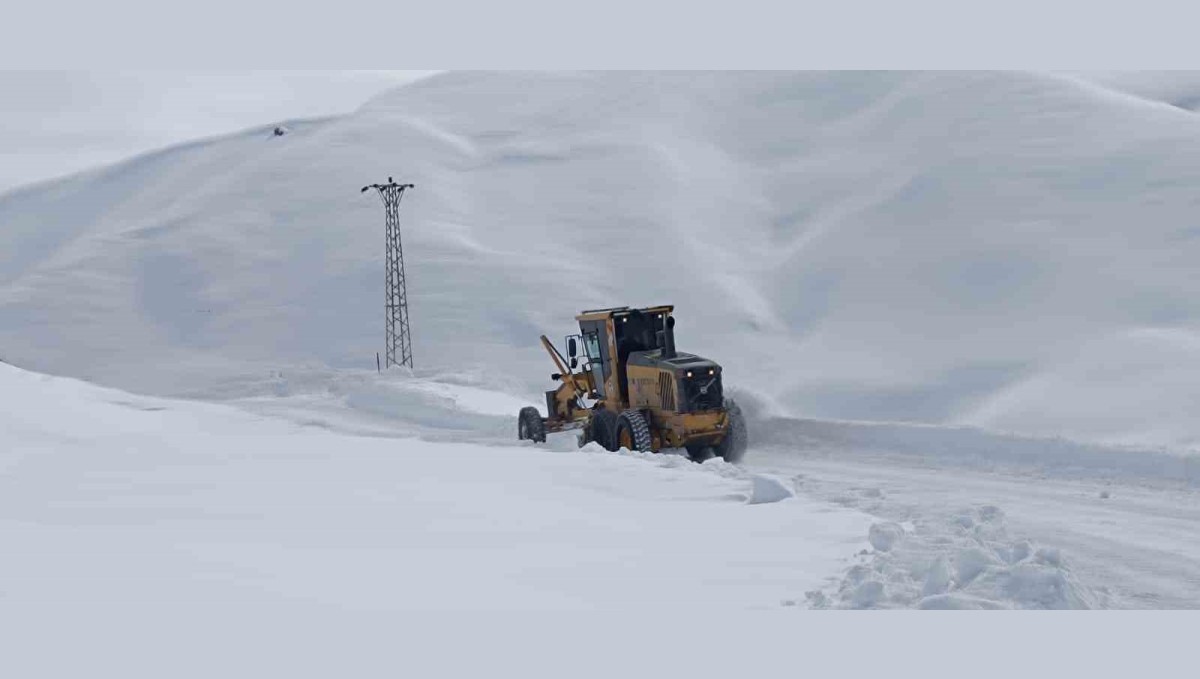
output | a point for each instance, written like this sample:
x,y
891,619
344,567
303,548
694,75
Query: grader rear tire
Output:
x,y
633,431
530,425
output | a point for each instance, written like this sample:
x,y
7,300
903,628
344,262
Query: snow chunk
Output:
x,y
1035,585
884,536
972,561
868,594
765,489
937,580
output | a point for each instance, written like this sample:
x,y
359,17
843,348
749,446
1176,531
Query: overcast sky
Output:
x,y
54,123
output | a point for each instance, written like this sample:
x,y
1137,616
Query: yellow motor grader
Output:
x,y
635,391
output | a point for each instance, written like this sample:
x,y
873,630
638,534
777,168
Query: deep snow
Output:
x,y
123,502
1008,250
110,497
985,510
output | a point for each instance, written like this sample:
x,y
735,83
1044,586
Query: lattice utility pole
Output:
x,y
398,337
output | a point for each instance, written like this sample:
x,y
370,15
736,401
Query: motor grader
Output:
x,y
635,391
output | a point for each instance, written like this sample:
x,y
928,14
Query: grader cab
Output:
x,y
624,385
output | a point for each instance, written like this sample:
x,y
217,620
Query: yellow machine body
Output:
x,y
622,370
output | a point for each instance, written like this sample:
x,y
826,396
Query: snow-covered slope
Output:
x,y
1180,89
406,494
168,511
1013,251
971,518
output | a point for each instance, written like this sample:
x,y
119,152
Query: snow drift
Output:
x,y
1011,251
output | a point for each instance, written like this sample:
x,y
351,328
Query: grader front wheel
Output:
x,y
604,429
699,453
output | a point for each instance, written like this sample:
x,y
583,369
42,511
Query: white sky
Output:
x,y
54,123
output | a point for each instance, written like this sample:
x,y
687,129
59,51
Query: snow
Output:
x,y
263,489
474,399
884,536
766,489
1011,251
1180,89
271,501
991,531
69,121
155,505
971,562
957,309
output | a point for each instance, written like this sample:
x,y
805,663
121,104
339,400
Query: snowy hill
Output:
x,y
1013,251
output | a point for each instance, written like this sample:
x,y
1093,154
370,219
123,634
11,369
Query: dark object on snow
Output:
x,y
280,131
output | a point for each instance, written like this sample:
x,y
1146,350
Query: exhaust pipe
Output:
x,y
668,336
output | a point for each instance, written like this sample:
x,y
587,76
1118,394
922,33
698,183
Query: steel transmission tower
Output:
x,y
398,336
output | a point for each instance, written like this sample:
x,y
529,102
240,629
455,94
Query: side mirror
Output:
x,y
572,349
670,321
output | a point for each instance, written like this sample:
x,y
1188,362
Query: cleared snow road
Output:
x,y
1122,542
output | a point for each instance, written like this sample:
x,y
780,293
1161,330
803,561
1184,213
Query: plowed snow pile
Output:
x,y
1009,250
970,562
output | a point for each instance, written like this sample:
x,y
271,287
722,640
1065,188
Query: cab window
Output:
x,y
591,345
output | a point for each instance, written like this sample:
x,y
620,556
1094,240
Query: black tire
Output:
x,y
604,428
699,453
530,425
633,431
732,448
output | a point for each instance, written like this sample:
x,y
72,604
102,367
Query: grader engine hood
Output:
x,y
699,381
696,380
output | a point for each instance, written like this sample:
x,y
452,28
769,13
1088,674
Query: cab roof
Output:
x,y
615,312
